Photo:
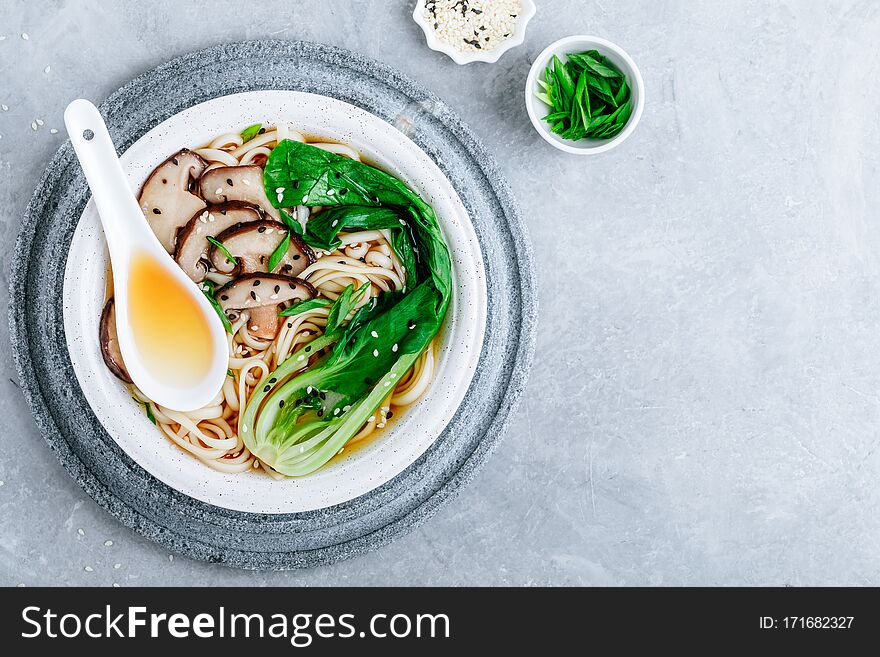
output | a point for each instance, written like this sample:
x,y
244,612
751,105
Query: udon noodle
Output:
x,y
211,434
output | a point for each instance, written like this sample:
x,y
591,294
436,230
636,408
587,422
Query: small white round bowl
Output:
x,y
490,56
538,109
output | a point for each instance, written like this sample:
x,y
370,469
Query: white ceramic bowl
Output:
x,y
362,469
537,109
526,13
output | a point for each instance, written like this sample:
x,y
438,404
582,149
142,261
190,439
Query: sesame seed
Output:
x,y
246,182
89,569
24,35
117,566
34,126
254,328
219,190
335,411
376,353
394,348
80,532
306,198
5,108
39,122
280,198
115,585
374,334
47,69
108,543
301,357
372,418
53,131
387,383
280,190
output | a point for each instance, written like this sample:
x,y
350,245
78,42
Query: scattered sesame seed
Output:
x,y
301,357
89,569
34,126
20,585
115,585
80,532
53,131
5,108
376,353
335,411
170,557
117,566
108,543
372,418
47,69
246,181
306,198
394,348
39,121
280,198
374,334
387,383
219,190
280,190
24,35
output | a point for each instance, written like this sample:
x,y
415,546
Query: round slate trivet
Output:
x,y
264,541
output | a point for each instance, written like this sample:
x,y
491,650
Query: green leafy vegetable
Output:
x,y
208,291
229,373
303,417
223,250
343,305
279,251
251,131
589,97
303,306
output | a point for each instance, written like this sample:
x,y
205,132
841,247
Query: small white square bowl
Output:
x,y
537,109
526,13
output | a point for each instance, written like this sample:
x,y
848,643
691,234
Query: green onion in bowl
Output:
x,y
588,95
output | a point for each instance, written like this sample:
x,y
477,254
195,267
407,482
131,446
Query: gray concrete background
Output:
x,y
705,402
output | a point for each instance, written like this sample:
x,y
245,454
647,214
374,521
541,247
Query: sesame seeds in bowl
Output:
x,y
473,30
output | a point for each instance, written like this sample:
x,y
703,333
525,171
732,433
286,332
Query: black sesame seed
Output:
x,y
410,324
292,286
308,347
362,259
289,325
174,159
261,131
277,289
261,229
343,191
267,388
281,404
232,317
164,181
297,402
223,212
157,211
273,380
253,295
321,412
262,259
338,174
295,184
256,282
296,257
224,297
229,182
389,416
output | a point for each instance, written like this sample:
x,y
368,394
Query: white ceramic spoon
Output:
x,y
129,236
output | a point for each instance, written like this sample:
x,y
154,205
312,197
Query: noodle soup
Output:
x,y
331,278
